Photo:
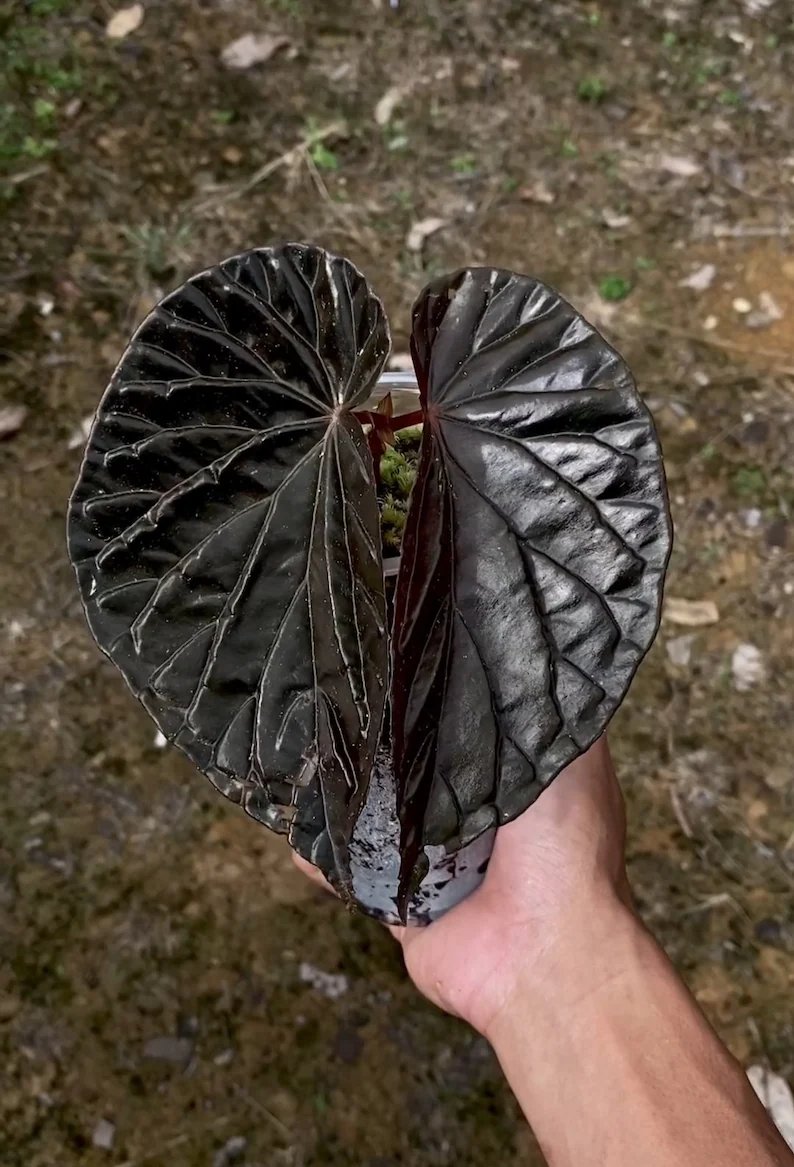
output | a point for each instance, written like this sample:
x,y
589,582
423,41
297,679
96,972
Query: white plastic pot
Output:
x,y
405,396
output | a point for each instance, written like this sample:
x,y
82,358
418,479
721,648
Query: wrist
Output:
x,y
585,953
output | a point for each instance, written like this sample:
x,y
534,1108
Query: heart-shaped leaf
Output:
x,y
225,534
533,559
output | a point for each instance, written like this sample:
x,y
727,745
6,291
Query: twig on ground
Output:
x,y
241,1092
678,811
721,899
24,175
176,1141
300,149
339,212
751,231
713,342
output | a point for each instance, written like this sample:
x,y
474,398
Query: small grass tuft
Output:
x,y
464,164
749,482
614,288
592,89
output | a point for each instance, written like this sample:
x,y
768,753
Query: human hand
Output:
x,y
555,876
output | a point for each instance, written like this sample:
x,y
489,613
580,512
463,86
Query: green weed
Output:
x,y
157,251
614,288
749,482
322,157
43,110
464,164
592,89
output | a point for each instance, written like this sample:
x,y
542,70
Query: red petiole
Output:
x,y
384,427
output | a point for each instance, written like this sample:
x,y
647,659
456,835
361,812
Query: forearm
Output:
x,y
614,1064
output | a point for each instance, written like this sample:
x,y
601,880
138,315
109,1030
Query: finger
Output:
x,y
314,873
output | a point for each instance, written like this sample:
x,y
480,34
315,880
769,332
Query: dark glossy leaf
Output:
x,y
225,534
533,559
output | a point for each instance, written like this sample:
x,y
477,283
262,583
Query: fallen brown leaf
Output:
x,y
125,21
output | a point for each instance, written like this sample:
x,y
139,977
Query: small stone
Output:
x,y
679,650
768,931
231,1150
747,667
700,279
331,985
757,319
756,430
12,418
615,111
104,1134
769,304
233,155
160,741
46,305
176,1050
710,323
752,518
742,306
768,312
775,1093
224,1058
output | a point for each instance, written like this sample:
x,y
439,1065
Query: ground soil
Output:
x,y
612,150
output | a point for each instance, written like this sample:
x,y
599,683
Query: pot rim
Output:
x,y
386,382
